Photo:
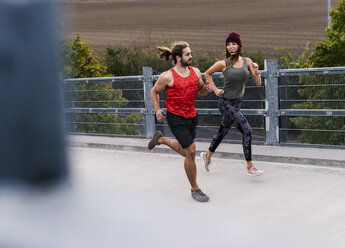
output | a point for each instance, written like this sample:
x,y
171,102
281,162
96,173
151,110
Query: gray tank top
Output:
x,y
235,80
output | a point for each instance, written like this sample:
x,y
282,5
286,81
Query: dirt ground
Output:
x,y
264,25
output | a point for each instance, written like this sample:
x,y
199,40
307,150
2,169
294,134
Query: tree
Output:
x,y
328,53
287,60
129,60
78,62
331,51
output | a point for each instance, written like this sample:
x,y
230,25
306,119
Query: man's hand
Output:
x,y
208,87
159,115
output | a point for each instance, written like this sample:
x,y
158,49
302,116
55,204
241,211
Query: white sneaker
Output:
x,y
253,171
205,161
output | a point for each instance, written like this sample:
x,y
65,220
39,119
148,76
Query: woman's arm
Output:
x,y
203,89
254,71
218,66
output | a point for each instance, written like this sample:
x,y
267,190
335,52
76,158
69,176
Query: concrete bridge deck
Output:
x,y
283,154
128,197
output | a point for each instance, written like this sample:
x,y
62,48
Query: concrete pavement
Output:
x,y
140,199
281,154
122,195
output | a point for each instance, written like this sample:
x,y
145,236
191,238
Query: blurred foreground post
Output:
x,y
32,142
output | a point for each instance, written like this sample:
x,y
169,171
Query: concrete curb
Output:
x,y
219,154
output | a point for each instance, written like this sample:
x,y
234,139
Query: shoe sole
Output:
x,y
202,200
255,175
205,199
203,162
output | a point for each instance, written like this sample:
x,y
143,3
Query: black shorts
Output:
x,y
184,129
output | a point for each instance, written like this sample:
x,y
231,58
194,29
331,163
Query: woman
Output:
x,y
235,71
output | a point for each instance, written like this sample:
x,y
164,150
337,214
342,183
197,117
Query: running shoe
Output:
x,y
253,171
206,162
154,141
199,196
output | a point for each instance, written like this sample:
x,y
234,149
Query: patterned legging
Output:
x,y
231,115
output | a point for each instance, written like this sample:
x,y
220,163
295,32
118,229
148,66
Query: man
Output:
x,y
182,83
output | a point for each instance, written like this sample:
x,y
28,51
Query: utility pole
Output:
x,y
329,17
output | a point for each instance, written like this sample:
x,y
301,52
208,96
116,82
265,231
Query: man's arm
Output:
x,y
164,80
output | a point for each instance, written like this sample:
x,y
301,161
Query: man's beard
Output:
x,y
186,63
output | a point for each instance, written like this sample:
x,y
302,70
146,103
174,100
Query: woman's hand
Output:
x,y
256,68
218,92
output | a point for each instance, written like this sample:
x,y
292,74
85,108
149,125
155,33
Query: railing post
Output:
x,y
67,90
283,135
150,111
272,102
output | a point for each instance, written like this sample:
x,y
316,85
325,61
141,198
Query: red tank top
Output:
x,y
182,94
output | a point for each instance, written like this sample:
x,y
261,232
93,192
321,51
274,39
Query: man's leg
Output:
x,y
190,166
158,139
189,154
173,144
184,130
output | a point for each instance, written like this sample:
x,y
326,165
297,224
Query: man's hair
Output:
x,y
234,58
176,50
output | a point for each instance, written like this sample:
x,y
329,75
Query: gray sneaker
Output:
x,y
154,141
253,171
199,196
206,162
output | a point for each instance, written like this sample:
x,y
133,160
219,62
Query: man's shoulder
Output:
x,y
197,71
166,75
165,78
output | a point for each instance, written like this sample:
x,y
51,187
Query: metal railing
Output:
x,y
275,110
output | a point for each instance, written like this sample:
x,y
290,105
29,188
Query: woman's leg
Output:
x,y
243,126
228,112
223,130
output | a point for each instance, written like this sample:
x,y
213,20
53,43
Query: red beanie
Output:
x,y
234,37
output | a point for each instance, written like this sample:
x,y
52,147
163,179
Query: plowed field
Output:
x,y
263,24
